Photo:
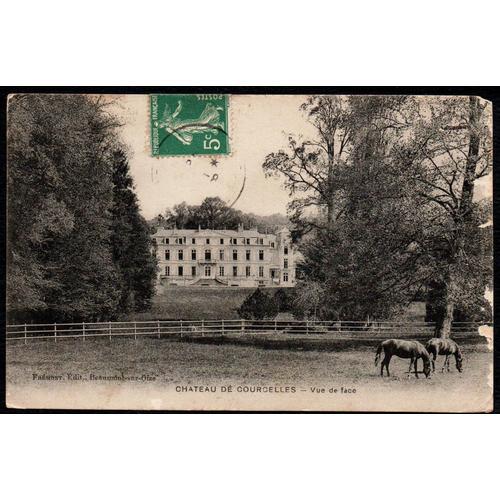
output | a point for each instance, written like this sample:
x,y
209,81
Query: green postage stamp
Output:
x,y
189,124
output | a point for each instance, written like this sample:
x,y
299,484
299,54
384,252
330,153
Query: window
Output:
x,y
180,271
167,254
181,254
285,263
221,271
208,241
285,276
285,250
222,241
193,270
193,241
273,273
248,241
193,254
235,254
235,271
248,254
208,255
261,241
167,270
233,241
261,254
272,244
208,271
167,241
221,254
247,271
261,271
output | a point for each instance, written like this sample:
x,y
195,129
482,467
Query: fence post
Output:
x,y
307,327
109,325
25,335
202,328
158,328
83,330
275,325
135,330
181,328
55,332
222,327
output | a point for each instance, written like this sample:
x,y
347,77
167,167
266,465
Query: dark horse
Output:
x,y
444,347
403,349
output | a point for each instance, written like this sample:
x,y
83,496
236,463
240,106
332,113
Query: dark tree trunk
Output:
x,y
444,311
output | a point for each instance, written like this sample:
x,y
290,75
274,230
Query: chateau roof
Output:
x,y
231,233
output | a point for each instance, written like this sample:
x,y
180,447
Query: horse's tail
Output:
x,y
379,352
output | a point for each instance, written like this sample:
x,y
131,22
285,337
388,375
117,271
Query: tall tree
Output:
x,y
61,265
400,215
130,241
450,151
310,168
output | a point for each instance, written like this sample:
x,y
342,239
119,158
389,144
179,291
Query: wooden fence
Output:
x,y
185,328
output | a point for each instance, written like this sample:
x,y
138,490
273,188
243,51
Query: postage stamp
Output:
x,y
189,124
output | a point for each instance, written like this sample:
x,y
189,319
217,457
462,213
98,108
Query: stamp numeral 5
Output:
x,y
210,143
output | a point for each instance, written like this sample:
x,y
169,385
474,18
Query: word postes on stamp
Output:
x,y
189,124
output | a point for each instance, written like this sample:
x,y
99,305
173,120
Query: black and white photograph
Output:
x,y
249,251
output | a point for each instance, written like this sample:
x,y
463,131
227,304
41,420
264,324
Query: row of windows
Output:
x,y
232,241
222,271
208,255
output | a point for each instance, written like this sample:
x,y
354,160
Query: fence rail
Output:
x,y
181,328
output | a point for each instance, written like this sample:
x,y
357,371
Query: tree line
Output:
x,y
384,206
78,248
214,213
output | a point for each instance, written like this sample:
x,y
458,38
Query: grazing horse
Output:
x,y
403,349
444,347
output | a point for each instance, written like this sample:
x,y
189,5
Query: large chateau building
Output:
x,y
213,257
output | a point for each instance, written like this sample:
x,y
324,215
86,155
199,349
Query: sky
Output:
x,y
258,125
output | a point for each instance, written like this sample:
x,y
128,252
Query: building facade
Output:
x,y
211,257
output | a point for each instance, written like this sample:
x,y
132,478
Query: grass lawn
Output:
x,y
166,370
196,303
177,302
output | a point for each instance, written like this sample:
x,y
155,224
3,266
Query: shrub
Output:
x,y
258,305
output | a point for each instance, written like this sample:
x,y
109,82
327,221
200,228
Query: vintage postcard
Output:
x,y
249,252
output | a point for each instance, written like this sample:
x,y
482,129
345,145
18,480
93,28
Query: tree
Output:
x,y
130,241
400,216
308,298
310,168
259,305
451,150
62,204
213,213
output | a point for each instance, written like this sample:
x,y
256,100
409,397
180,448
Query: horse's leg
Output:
x,y
412,360
444,365
416,371
433,361
447,362
387,365
382,367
